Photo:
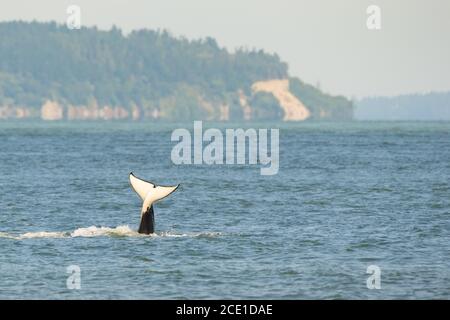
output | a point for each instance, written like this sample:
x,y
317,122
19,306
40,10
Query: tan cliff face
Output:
x,y
96,113
224,112
8,112
294,109
246,108
135,113
51,111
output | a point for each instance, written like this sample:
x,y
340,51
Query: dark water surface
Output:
x,y
347,196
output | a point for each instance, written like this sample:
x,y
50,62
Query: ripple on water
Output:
x,y
119,231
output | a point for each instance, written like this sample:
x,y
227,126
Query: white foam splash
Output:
x,y
189,234
5,235
104,231
41,234
93,231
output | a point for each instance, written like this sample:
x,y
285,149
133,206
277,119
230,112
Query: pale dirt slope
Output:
x,y
294,109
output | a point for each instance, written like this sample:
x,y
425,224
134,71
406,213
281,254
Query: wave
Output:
x,y
104,231
93,231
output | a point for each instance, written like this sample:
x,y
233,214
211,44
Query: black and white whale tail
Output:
x,y
149,193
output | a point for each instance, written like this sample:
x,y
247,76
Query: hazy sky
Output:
x,y
323,41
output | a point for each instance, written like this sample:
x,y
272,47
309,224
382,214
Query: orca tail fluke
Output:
x,y
146,188
149,193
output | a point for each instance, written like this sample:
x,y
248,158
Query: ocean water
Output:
x,y
347,196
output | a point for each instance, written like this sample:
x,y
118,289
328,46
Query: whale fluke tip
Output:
x,y
149,193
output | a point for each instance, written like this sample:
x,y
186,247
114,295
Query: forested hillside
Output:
x,y
49,71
